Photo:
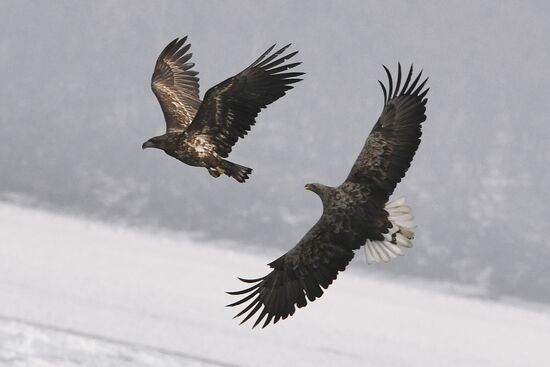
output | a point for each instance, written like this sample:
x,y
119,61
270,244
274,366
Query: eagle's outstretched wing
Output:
x,y
303,272
176,85
395,137
229,109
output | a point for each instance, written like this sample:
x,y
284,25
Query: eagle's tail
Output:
x,y
398,237
238,172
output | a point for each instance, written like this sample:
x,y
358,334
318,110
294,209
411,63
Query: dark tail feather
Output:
x,y
238,172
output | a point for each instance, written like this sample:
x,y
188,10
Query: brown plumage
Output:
x,y
355,214
203,134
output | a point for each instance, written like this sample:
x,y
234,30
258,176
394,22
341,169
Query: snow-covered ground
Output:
x,y
76,293
29,344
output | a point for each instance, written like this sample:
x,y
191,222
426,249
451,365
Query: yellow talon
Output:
x,y
221,170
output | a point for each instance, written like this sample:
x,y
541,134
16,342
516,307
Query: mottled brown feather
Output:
x,y
395,137
176,85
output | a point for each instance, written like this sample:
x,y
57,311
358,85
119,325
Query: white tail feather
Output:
x,y
372,257
402,240
396,203
377,252
394,249
399,236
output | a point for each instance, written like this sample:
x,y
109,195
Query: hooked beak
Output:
x,y
308,187
147,144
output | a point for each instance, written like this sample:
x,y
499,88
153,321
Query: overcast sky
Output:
x,y
76,105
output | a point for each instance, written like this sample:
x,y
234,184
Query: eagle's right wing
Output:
x,y
395,137
176,85
303,272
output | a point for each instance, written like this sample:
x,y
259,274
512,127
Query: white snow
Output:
x,y
77,293
24,344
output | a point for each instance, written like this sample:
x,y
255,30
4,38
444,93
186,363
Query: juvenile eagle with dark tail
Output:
x,y
356,213
203,133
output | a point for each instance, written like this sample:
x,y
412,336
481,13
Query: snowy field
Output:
x,y
76,293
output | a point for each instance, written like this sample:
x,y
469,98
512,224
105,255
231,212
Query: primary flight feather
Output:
x,y
356,213
203,133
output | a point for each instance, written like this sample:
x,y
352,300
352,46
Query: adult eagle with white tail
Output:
x,y
356,213
203,134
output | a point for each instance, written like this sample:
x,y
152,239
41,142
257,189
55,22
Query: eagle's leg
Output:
x,y
214,172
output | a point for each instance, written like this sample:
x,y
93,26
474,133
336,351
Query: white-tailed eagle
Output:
x,y
356,213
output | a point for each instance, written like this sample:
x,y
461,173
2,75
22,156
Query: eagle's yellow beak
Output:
x,y
308,187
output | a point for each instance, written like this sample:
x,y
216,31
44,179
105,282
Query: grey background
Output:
x,y
76,105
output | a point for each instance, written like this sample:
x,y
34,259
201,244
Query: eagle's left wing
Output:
x,y
229,109
395,137
299,275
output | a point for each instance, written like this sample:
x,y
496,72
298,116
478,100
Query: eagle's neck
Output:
x,y
324,192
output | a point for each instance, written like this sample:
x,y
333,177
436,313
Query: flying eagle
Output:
x,y
203,133
356,213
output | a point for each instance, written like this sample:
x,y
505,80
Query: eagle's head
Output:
x,y
322,190
159,142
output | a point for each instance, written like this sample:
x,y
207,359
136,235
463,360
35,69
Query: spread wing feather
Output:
x,y
176,85
393,141
230,108
298,276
